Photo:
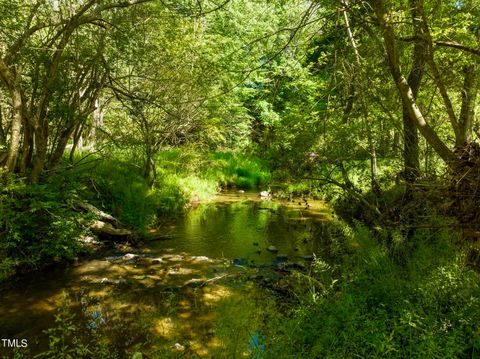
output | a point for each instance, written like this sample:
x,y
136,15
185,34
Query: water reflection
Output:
x,y
244,226
168,291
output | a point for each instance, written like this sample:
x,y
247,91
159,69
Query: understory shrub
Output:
x,y
376,307
38,225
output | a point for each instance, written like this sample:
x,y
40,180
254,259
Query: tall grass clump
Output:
x,y
372,305
237,170
117,184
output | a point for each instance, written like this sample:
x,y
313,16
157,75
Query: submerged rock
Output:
x,y
105,281
272,249
130,256
114,258
178,347
173,257
195,283
282,257
308,257
200,259
265,194
286,267
156,261
239,261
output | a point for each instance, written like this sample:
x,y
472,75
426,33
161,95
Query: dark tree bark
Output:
x,y
411,151
404,88
27,149
3,134
467,112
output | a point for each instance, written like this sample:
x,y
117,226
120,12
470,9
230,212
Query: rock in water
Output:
x,y
272,249
200,259
178,347
282,257
195,283
239,261
308,257
265,194
129,256
156,261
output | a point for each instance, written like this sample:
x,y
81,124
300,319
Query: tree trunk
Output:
x,y
3,135
12,80
467,113
27,149
77,140
15,131
41,143
404,89
374,171
97,123
411,150
60,147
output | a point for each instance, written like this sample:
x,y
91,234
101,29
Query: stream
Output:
x,y
168,295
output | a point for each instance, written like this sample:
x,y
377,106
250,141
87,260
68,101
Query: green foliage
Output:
x,y
118,186
370,306
68,340
236,170
61,336
38,225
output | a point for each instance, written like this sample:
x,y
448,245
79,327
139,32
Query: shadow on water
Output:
x,y
167,292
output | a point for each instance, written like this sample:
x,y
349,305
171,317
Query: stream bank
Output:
x,y
224,256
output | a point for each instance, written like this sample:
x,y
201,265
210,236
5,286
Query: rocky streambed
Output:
x,y
175,295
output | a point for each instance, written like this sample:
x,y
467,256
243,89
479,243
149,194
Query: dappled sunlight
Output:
x,y
216,294
166,296
165,328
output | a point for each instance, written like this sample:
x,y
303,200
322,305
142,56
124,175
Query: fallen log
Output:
x,y
106,229
106,226
105,217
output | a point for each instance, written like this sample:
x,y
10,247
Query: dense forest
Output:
x,y
119,119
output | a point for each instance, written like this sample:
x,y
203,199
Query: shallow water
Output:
x,y
169,291
242,225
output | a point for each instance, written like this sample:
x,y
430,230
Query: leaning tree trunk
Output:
x,y
12,80
60,146
3,135
406,93
41,143
467,112
371,144
27,148
411,151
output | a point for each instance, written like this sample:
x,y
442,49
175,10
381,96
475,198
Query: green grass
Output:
x,y
369,305
116,184
38,224
236,170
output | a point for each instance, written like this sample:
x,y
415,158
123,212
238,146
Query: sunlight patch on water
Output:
x,y
165,328
214,295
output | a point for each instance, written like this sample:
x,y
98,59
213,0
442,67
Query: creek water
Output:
x,y
165,295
